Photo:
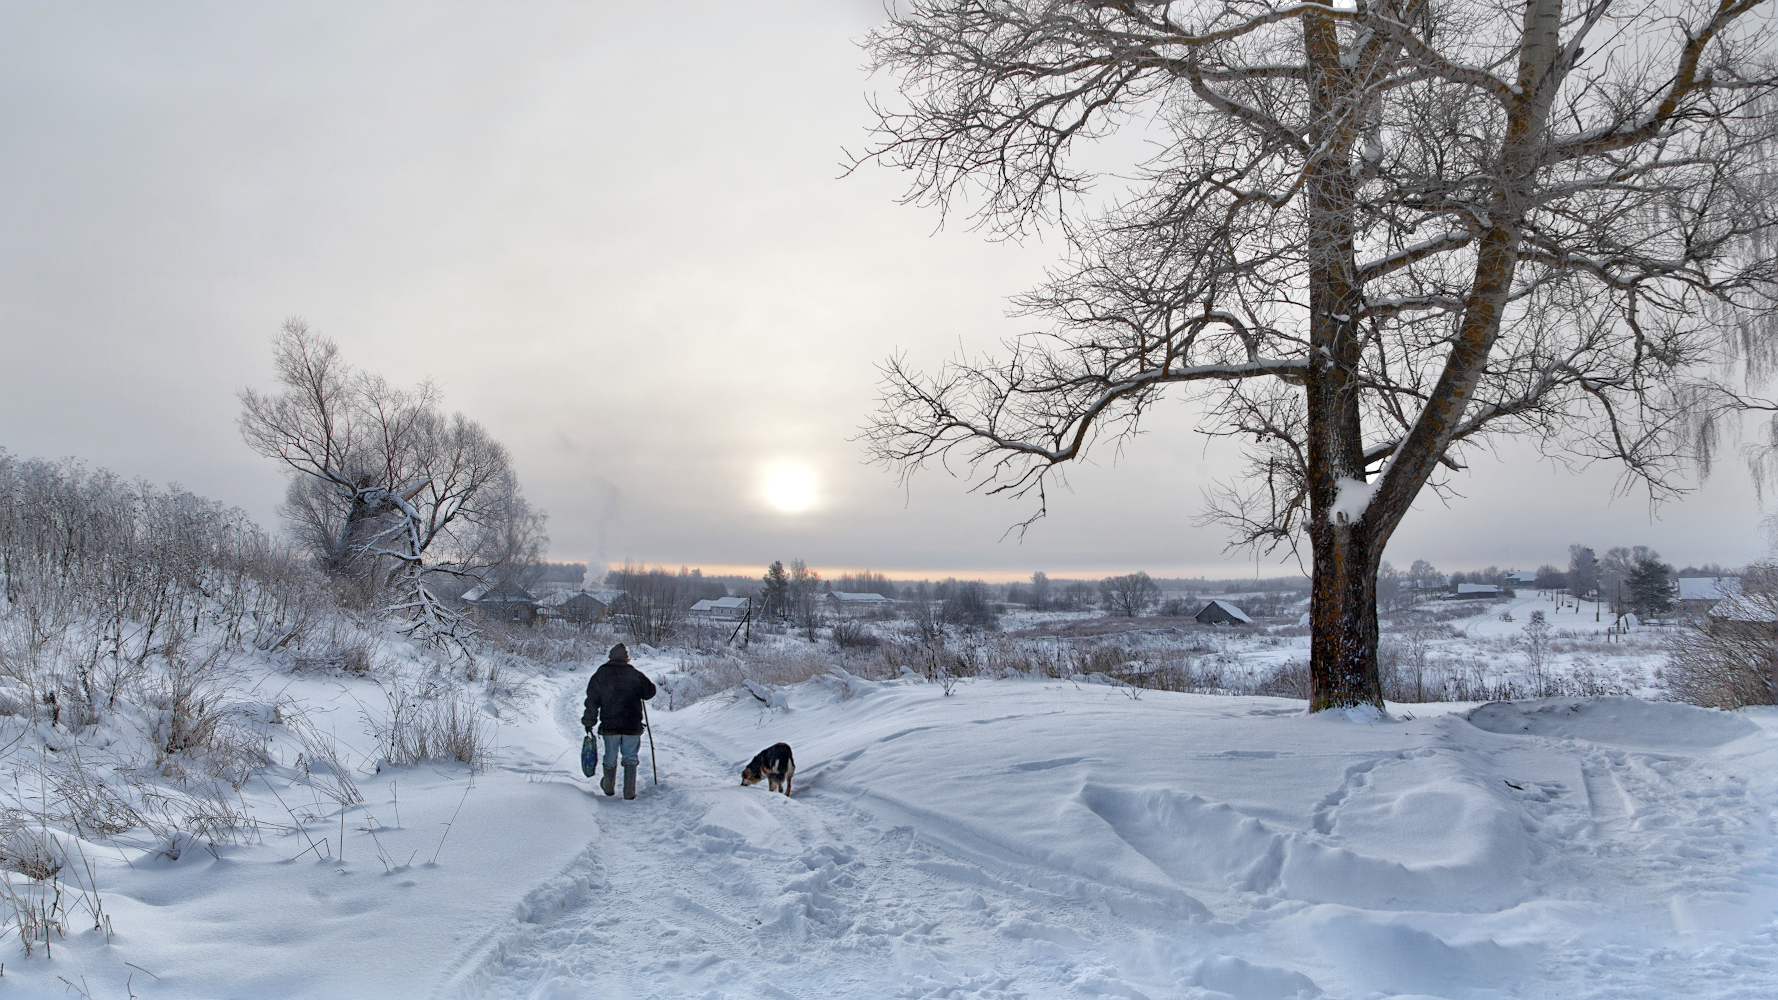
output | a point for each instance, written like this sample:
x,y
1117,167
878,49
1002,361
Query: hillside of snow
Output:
x,y
1018,838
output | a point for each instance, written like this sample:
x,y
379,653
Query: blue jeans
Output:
x,y
629,746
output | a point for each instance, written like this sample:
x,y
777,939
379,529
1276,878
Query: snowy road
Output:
x,y
1033,840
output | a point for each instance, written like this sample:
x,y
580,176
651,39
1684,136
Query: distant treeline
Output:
x,y
1041,590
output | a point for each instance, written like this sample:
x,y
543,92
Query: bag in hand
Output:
x,y
589,755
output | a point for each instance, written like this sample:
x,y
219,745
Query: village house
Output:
x,y
1748,616
575,607
1699,594
726,608
503,603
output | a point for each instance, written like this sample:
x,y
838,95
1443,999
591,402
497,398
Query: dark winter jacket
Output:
x,y
614,700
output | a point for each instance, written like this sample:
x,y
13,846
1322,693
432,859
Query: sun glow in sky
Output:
x,y
790,487
495,184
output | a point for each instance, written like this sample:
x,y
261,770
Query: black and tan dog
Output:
x,y
775,764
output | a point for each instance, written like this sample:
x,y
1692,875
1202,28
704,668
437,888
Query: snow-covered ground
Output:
x,y
1020,838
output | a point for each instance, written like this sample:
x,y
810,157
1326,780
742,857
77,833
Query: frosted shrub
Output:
x,y
1730,661
1289,681
343,646
777,665
849,633
28,850
698,678
190,697
1732,668
418,728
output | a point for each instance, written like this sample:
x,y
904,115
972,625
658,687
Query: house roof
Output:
x,y
722,603
1708,588
1741,608
1229,609
510,593
562,597
1478,588
847,597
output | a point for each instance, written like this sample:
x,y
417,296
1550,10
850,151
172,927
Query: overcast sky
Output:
x,y
614,233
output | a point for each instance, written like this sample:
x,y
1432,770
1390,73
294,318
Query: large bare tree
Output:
x,y
1362,237
385,489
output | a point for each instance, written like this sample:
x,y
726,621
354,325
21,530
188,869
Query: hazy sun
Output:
x,y
790,488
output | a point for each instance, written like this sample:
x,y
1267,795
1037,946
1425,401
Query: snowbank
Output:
x,y
1020,838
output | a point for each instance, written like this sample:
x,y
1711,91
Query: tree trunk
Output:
x,y
1343,610
1343,621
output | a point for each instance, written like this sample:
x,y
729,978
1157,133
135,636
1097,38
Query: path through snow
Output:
x,y
1029,839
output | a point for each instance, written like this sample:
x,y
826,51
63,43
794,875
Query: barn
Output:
x,y
1223,613
849,604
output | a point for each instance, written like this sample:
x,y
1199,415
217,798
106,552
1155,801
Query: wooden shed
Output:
x,y
1223,613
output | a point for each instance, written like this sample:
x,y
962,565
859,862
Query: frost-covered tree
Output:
x,y
1615,570
1363,239
1393,588
803,597
385,489
1425,575
654,602
1583,571
867,582
966,603
1129,595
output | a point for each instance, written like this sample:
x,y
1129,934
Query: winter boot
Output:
x,y
629,781
609,784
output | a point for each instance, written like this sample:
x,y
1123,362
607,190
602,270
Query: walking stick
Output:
x,y
652,761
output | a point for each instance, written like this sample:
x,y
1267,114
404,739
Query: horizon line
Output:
x,y
929,576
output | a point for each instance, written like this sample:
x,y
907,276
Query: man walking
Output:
x,y
614,700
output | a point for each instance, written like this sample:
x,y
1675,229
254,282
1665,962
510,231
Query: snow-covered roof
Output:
x,y
845,597
1522,576
1478,588
562,597
510,593
1741,608
722,604
1708,588
1232,611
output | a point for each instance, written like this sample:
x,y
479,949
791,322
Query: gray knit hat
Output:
x,y
620,653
